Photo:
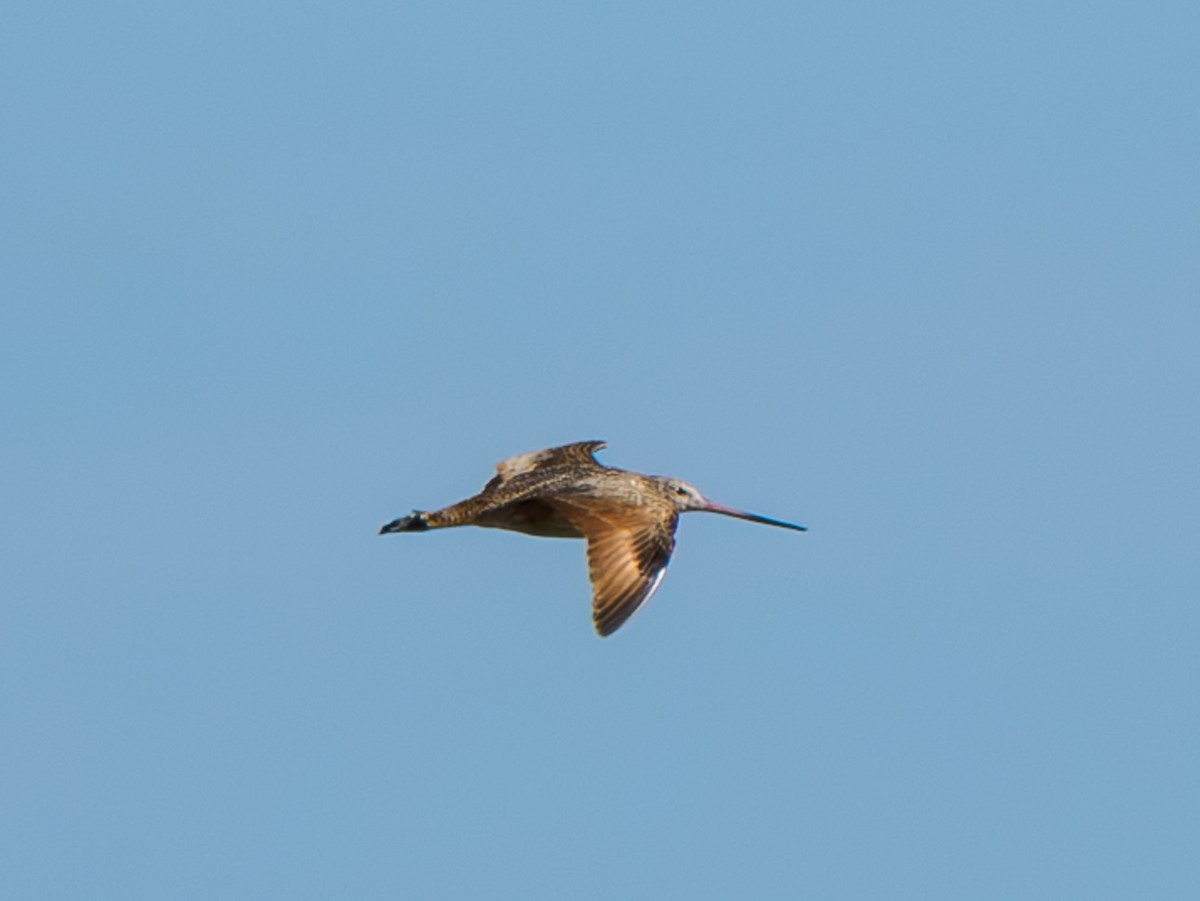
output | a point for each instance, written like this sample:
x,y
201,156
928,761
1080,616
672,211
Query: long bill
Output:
x,y
712,507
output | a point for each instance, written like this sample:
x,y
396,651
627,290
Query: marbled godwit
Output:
x,y
627,518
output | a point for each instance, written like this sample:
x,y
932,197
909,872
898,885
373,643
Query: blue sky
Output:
x,y
921,276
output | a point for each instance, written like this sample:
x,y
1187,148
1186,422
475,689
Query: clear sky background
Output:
x,y
923,276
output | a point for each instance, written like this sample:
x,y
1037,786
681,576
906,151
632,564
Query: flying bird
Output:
x,y
627,518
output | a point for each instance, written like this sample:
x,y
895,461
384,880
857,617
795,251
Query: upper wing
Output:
x,y
628,552
580,453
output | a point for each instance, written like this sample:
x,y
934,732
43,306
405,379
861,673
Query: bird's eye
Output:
x,y
679,489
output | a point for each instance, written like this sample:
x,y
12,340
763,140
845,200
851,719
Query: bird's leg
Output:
x,y
414,523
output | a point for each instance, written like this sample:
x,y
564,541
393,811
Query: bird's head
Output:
x,y
686,497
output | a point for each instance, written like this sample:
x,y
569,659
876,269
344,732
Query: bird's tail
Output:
x,y
414,523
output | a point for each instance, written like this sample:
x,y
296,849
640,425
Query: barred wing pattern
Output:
x,y
581,453
628,552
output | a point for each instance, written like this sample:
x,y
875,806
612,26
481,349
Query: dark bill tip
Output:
x,y
767,521
753,517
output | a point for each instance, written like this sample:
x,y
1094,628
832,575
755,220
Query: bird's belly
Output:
x,y
530,518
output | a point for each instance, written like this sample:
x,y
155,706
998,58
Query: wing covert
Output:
x,y
581,453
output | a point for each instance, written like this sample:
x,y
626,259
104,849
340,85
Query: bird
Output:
x,y
627,518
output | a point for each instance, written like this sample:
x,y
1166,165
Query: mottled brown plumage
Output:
x,y
627,518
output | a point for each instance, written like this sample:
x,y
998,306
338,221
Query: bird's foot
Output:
x,y
414,523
